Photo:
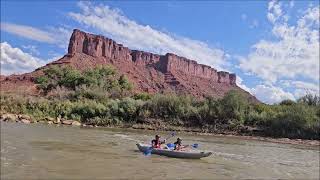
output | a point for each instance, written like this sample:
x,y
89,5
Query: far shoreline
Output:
x,y
191,131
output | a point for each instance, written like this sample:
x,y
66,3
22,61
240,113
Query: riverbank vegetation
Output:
x,y
102,97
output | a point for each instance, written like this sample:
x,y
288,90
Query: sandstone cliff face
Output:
x,y
99,46
144,58
152,73
176,63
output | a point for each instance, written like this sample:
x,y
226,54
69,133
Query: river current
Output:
x,y
39,151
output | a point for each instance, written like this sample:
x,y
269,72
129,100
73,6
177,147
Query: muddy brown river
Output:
x,y
40,151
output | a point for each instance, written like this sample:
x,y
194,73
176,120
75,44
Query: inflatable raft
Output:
x,y
188,154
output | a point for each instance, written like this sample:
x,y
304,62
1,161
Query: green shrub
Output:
x,y
170,106
127,109
142,96
94,93
287,102
233,107
102,77
309,99
208,112
89,109
292,121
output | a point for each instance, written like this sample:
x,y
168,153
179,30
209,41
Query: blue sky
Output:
x,y
273,46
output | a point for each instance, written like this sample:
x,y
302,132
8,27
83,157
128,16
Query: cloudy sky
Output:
x,y
272,46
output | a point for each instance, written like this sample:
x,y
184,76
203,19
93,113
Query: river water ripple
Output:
x,y
39,151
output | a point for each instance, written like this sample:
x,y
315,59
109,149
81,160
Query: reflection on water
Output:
x,y
50,152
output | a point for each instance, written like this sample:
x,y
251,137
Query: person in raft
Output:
x,y
178,145
156,143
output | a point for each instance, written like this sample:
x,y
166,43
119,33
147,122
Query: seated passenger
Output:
x,y
156,143
178,145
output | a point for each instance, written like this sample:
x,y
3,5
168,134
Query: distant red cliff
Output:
x,y
99,46
149,72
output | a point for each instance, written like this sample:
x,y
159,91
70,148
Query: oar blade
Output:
x,y
170,146
195,145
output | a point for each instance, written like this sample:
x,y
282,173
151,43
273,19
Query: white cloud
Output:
x,y
295,53
28,32
271,94
62,36
301,87
14,60
136,36
56,35
275,11
292,54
